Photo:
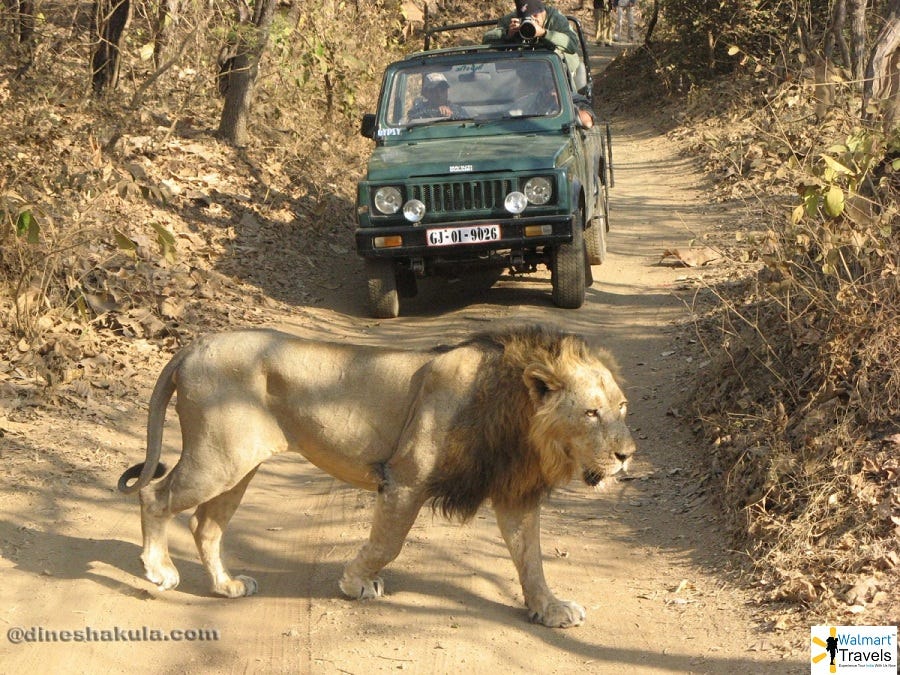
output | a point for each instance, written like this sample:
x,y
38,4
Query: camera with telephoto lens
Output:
x,y
528,29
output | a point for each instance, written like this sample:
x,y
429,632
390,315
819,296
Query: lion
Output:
x,y
503,417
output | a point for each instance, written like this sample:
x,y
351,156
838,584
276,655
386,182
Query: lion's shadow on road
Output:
x,y
419,583
84,558
57,556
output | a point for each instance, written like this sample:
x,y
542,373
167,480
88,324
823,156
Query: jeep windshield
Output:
x,y
482,91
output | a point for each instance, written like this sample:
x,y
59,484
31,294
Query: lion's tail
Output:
x,y
151,468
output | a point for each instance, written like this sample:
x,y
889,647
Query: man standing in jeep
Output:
x,y
534,21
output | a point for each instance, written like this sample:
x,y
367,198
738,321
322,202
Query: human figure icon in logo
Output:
x,y
831,645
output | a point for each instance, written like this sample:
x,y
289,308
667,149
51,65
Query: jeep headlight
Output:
x,y
388,200
538,190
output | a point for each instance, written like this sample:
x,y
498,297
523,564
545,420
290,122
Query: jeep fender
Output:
x,y
576,199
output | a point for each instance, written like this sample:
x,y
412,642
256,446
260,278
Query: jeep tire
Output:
x,y
595,235
567,273
384,301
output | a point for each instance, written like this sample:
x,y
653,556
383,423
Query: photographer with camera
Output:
x,y
533,22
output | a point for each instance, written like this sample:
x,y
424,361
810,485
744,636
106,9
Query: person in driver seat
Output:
x,y
435,100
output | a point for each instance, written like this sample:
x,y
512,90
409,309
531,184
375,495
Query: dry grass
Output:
x,y
803,405
123,223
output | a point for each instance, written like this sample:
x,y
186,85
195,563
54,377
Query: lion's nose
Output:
x,y
622,456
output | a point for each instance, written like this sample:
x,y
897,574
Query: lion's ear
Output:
x,y
540,381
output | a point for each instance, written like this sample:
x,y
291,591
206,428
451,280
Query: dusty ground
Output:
x,y
647,558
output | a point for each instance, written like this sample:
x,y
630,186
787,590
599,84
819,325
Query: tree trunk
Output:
x,y
836,35
22,12
238,73
858,41
882,83
168,16
651,22
23,19
110,20
823,87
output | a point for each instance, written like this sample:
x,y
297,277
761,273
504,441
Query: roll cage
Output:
x,y
585,89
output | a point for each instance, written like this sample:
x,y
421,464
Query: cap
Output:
x,y
435,79
529,7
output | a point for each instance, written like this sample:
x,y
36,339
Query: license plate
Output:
x,y
451,236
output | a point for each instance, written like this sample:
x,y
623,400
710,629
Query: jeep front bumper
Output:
x,y
412,241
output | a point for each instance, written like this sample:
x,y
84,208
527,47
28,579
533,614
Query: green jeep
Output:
x,y
482,164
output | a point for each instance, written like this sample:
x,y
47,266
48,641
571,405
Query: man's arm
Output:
x,y
559,32
500,33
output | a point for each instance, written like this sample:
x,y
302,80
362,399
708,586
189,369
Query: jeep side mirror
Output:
x,y
367,128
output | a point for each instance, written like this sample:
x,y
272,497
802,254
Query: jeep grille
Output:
x,y
465,195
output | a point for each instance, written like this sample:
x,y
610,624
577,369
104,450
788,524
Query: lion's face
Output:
x,y
580,417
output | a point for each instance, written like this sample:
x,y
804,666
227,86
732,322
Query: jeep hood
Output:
x,y
440,157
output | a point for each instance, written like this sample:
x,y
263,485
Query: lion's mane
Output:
x,y
503,444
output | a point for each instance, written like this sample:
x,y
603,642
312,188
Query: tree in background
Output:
x,y
882,81
22,15
855,42
110,19
166,18
240,66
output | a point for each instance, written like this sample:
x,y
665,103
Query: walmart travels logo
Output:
x,y
853,649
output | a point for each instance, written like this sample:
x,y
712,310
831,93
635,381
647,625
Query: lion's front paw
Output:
x,y
362,589
161,573
238,587
559,614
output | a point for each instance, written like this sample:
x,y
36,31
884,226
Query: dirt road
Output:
x,y
646,558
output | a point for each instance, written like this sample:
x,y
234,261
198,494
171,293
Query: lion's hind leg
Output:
x,y
395,513
155,517
208,525
178,492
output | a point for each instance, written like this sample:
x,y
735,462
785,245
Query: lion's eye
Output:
x,y
623,406
593,413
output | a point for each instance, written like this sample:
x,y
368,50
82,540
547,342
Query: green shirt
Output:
x,y
559,31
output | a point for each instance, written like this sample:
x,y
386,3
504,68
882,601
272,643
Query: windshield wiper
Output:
x,y
529,116
425,121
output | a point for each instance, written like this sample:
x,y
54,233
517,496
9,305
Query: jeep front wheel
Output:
x,y
384,301
567,274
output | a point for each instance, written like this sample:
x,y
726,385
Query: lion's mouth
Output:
x,y
593,477
597,478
